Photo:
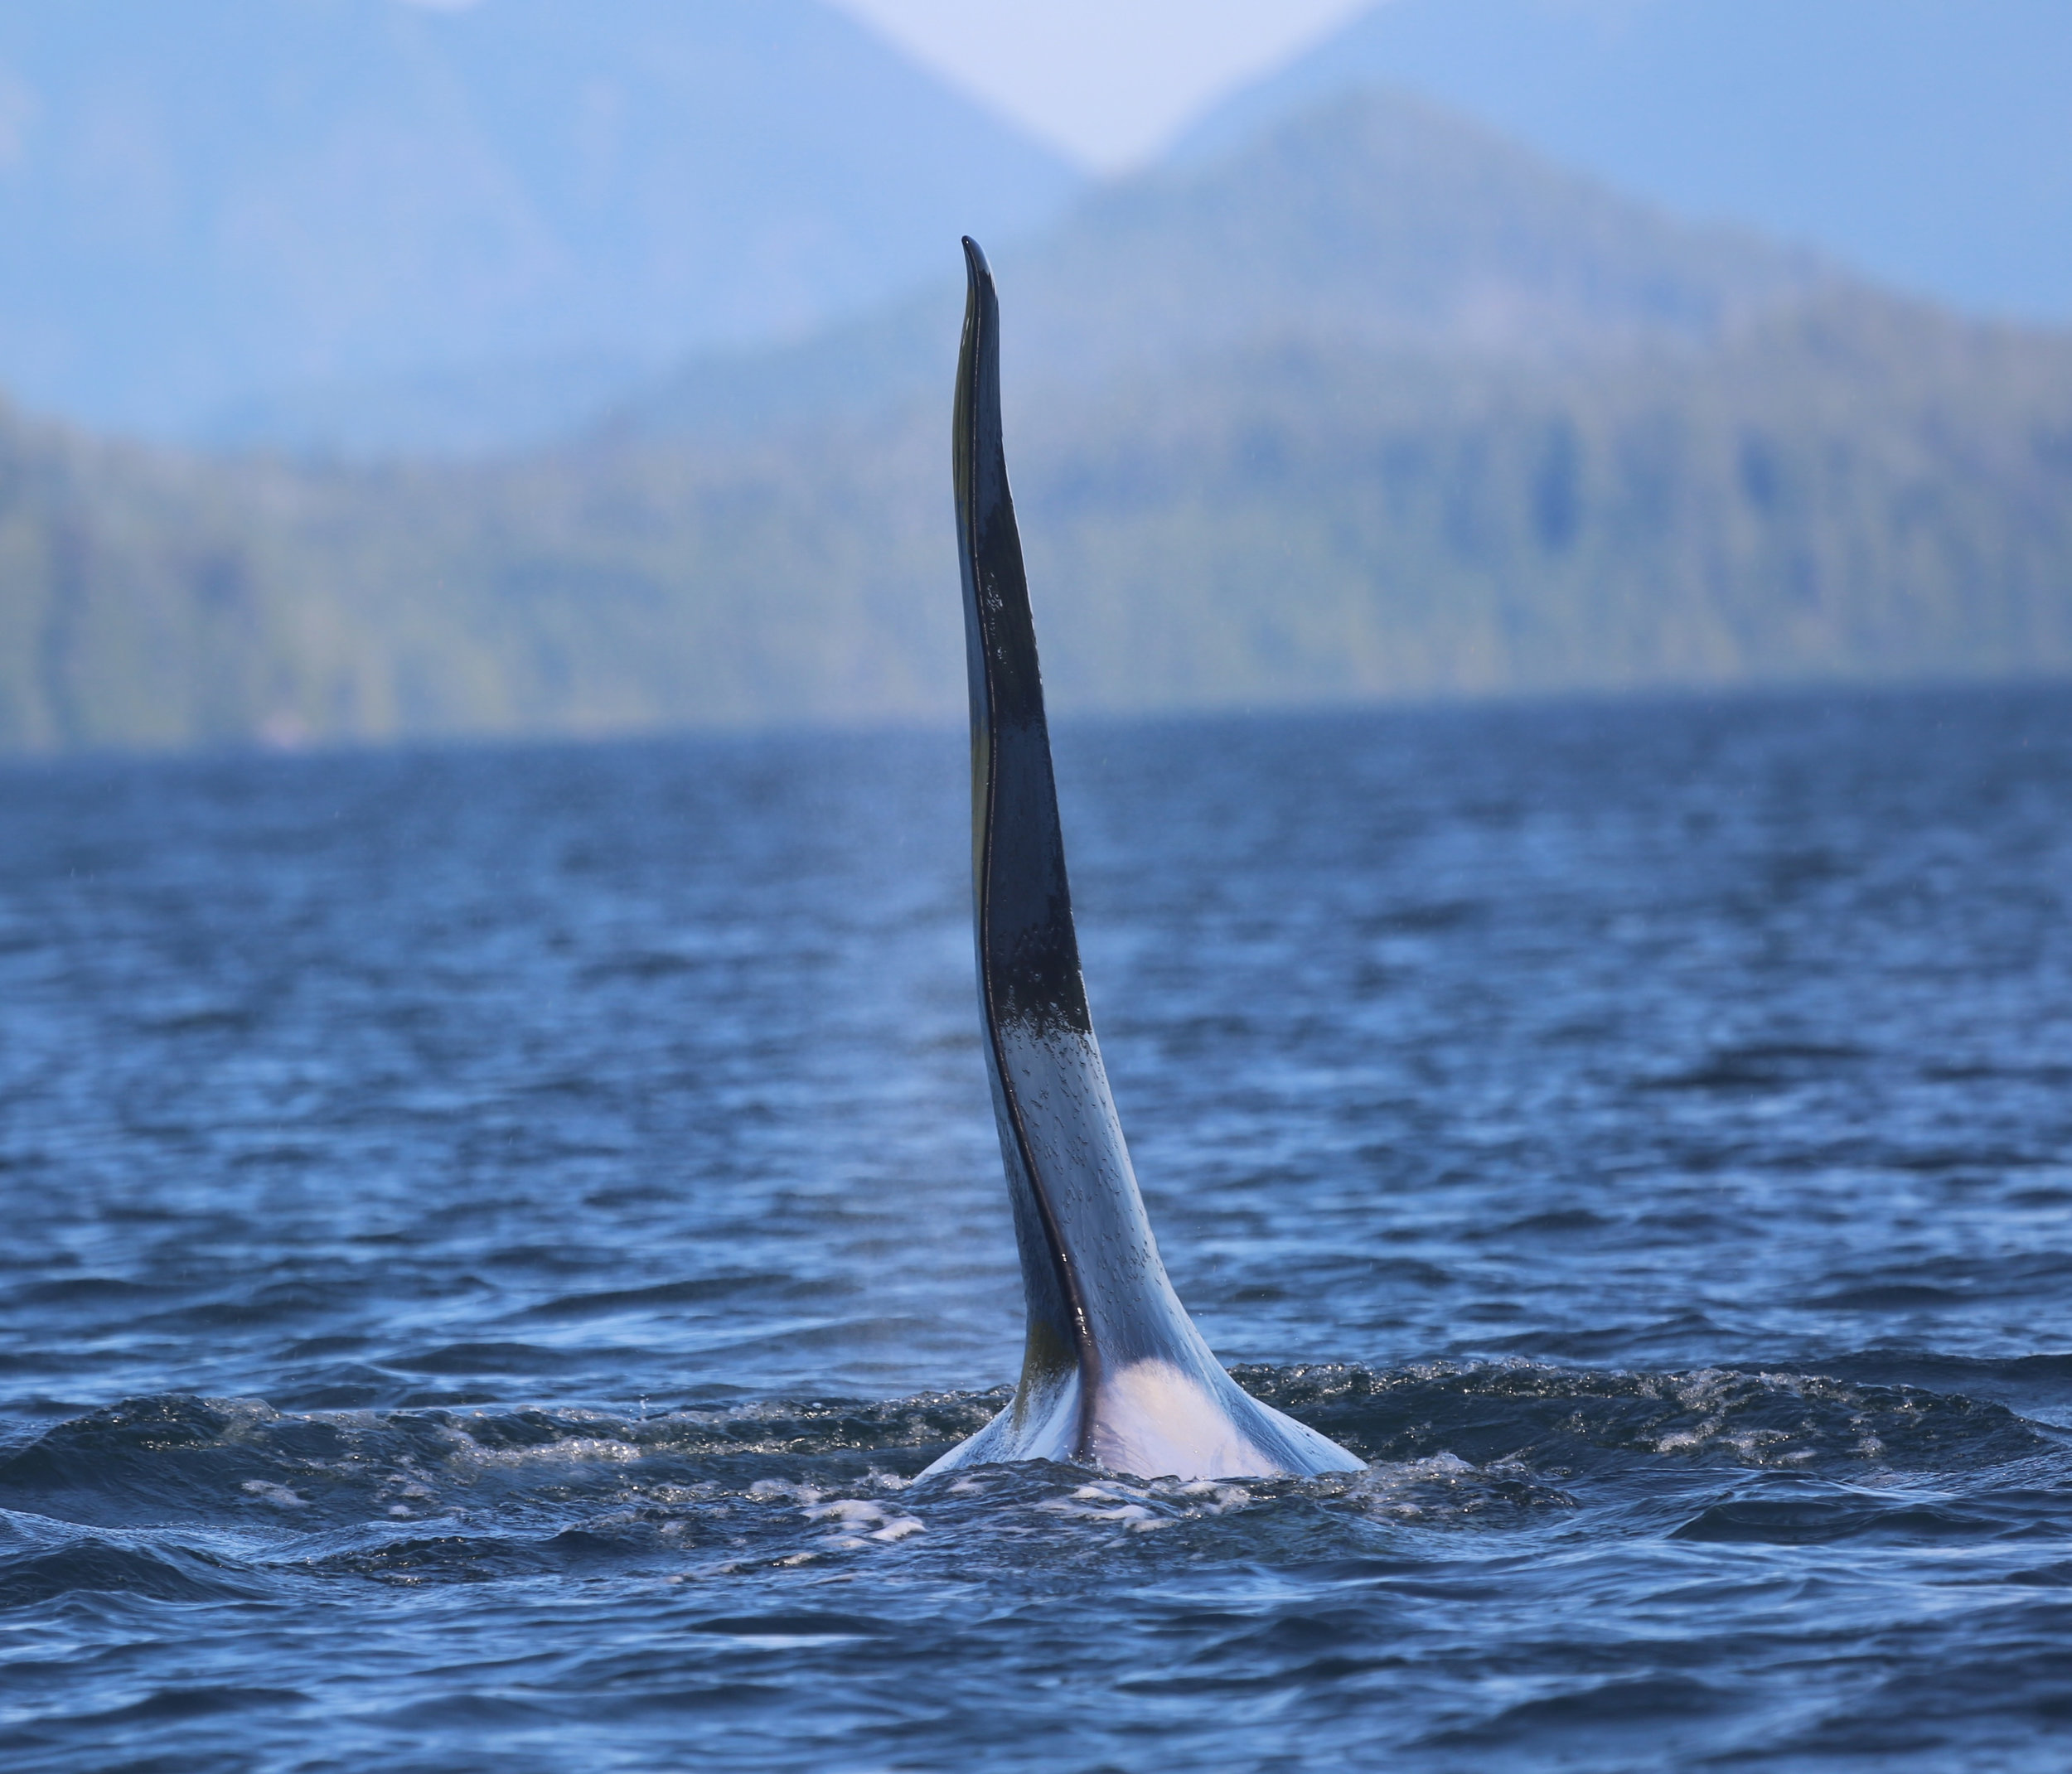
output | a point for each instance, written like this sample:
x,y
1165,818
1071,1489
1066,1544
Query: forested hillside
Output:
x,y
1609,453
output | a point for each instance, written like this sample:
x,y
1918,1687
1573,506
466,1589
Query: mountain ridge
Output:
x,y
1416,229
1922,142
217,202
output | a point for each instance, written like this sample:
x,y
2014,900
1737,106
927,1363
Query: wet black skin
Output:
x,y
1028,948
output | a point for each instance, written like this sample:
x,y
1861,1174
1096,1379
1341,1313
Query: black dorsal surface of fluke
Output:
x,y
1114,1372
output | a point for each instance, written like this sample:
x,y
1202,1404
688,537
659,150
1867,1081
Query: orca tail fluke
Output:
x,y
1114,1372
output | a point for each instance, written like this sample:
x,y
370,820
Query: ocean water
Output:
x,y
492,1234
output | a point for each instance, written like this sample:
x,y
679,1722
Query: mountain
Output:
x,y
1372,221
1924,142
416,213
1372,406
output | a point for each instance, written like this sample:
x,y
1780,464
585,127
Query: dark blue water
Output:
x,y
490,1236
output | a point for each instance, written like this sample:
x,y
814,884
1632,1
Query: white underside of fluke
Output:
x,y
1156,1420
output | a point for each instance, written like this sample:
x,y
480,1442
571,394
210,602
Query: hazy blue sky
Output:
x,y
1108,81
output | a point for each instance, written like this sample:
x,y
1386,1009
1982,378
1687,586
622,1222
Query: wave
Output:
x,y
1522,1433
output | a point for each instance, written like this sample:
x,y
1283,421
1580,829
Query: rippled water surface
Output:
x,y
492,1236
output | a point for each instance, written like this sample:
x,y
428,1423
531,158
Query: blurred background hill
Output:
x,y
361,221
1926,142
1351,395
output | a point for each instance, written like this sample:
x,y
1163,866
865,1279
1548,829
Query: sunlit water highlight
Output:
x,y
492,1236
